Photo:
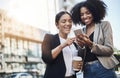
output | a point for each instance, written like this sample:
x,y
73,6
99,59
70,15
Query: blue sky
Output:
x,y
112,15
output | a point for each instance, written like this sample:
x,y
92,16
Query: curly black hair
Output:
x,y
96,7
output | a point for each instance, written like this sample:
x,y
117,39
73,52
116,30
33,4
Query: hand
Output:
x,y
83,40
80,42
77,66
68,42
80,65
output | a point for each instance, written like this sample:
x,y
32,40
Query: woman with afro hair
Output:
x,y
97,40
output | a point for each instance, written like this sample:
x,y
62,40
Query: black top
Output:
x,y
89,55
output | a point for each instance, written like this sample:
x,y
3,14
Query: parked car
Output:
x,y
20,75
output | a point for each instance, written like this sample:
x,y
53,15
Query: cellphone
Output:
x,y
78,31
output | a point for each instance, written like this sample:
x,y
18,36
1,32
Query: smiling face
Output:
x,y
86,16
64,24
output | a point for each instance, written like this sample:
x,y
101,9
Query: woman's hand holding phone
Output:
x,y
82,39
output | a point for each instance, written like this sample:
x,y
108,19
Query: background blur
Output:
x,y
23,24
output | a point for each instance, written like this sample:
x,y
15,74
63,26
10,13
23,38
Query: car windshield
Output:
x,y
12,76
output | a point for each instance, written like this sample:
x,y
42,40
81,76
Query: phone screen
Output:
x,y
78,31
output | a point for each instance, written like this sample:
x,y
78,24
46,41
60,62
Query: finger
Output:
x,y
81,42
80,36
79,66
